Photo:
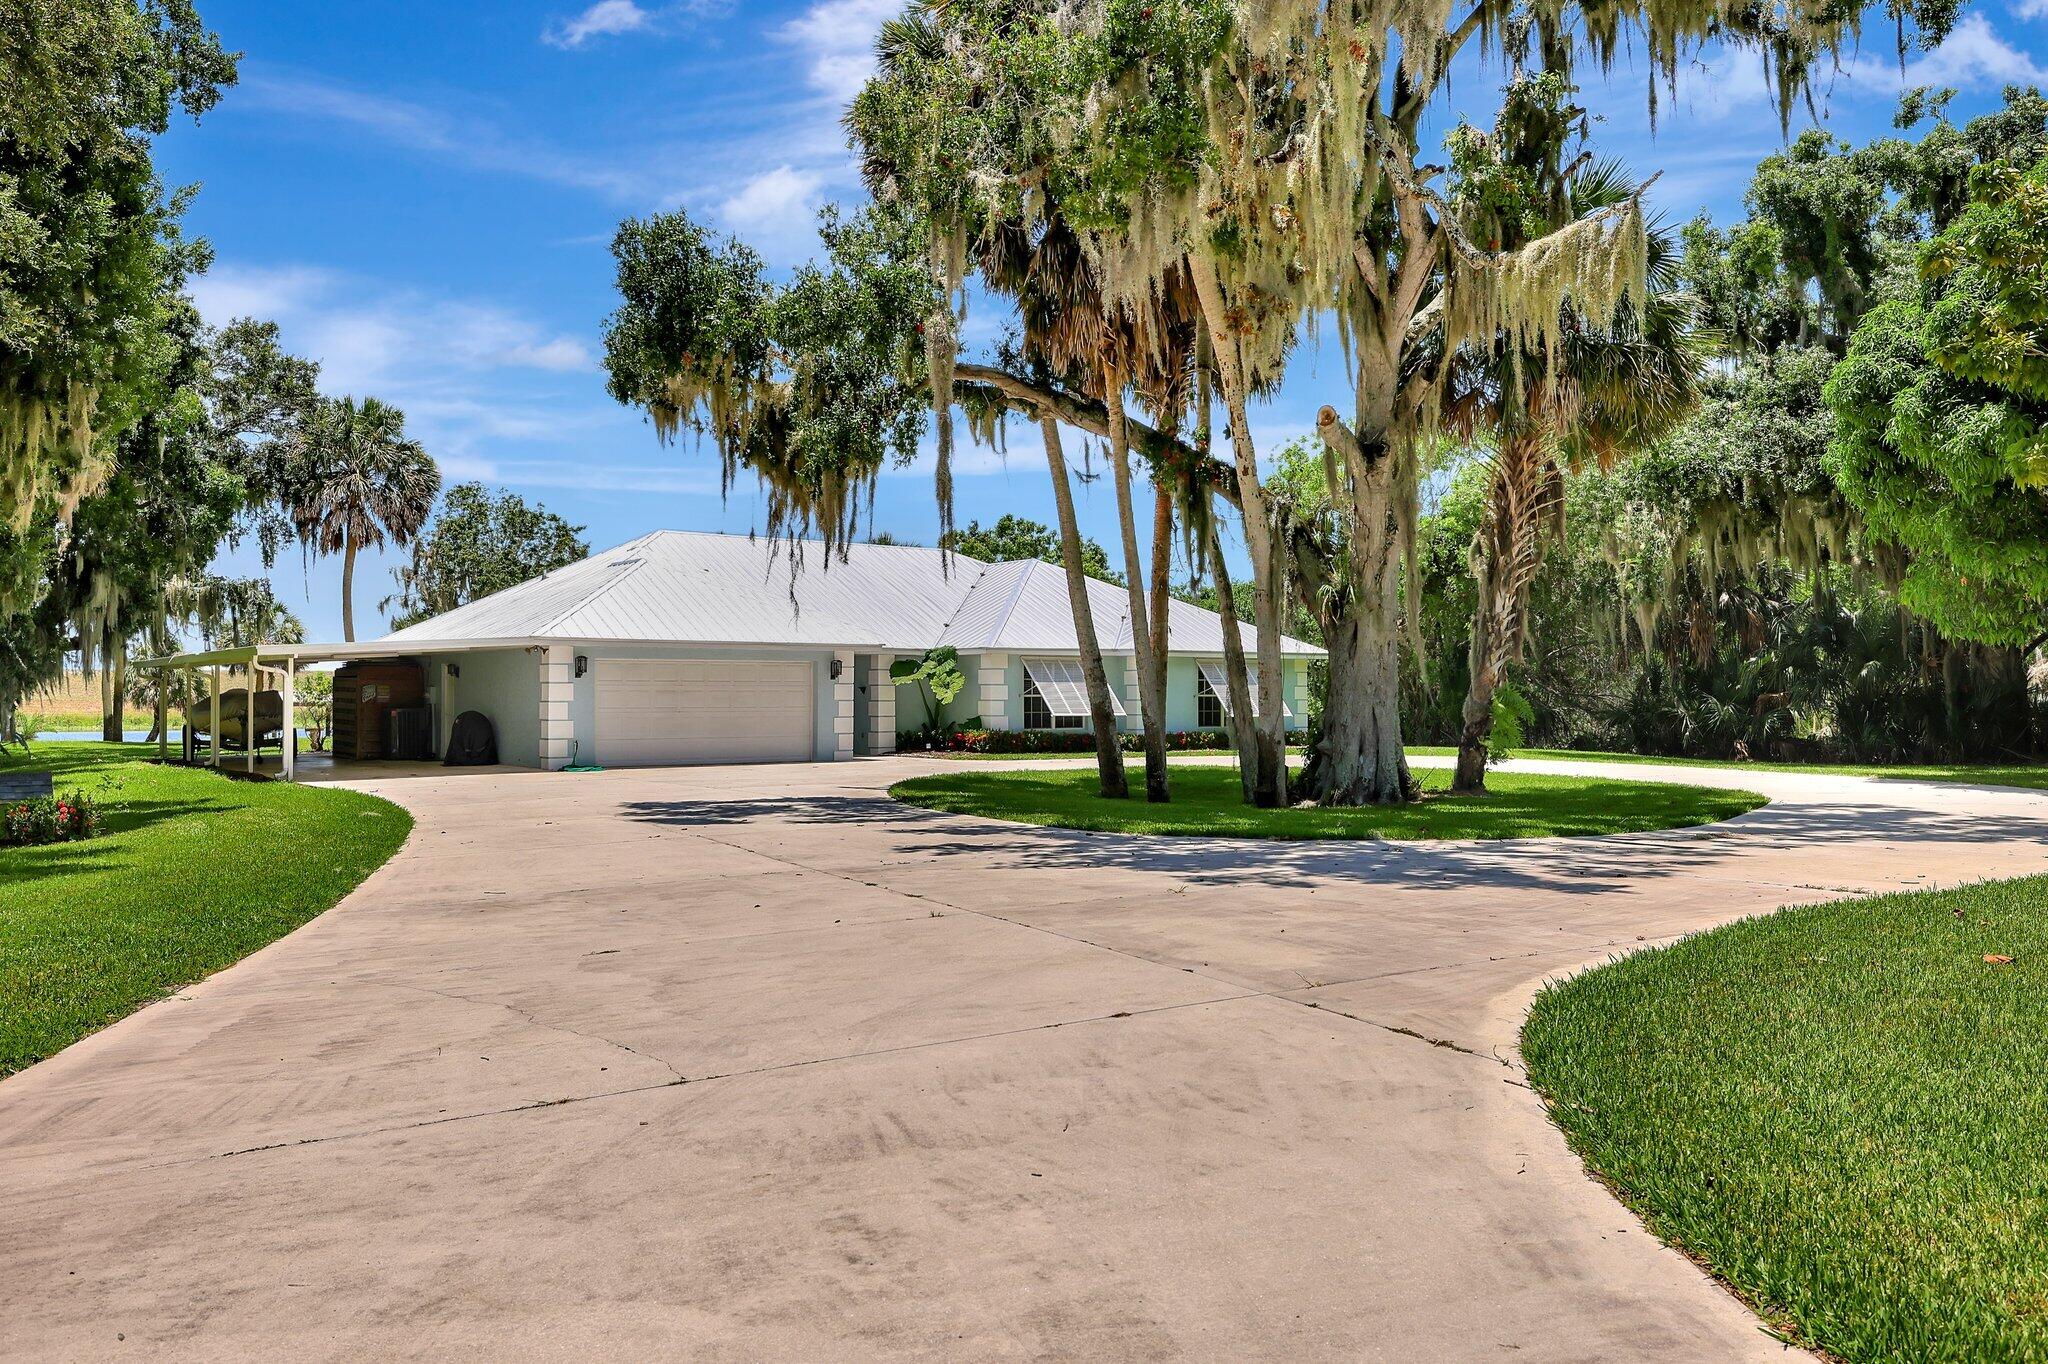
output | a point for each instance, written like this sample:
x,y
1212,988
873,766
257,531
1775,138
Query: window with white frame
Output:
x,y
1056,694
1212,689
1039,715
1208,705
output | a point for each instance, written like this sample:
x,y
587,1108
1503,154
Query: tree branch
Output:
x,y
1396,163
1090,415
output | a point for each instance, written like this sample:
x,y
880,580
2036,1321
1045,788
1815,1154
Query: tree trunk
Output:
x,y
1151,706
1109,757
1475,737
1507,550
1483,654
117,717
1162,582
1238,716
1358,758
1268,596
114,667
348,588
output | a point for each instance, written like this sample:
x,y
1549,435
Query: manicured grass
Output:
x,y
1841,1110
1206,800
1991,774
196,871
1184,755
71,721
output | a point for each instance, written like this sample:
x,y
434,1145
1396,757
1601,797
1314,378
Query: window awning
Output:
x,y
1213,674
1064,686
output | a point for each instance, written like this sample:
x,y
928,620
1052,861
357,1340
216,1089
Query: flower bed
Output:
x,y
1053,741
49,819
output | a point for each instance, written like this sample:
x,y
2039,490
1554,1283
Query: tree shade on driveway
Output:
x,y
757,1061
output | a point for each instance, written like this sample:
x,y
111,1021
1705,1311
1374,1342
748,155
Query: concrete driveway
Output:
x,y
753,1063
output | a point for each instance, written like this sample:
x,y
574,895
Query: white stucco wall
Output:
x,y
501,684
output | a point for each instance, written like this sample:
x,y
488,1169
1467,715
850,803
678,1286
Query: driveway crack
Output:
x,y
537,1021
803,1064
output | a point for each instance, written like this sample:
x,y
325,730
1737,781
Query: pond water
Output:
x,y
133,736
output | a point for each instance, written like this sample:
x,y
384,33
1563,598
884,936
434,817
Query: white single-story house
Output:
x,y
687,647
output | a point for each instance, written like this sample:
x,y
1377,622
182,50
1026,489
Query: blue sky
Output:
x,y
422,197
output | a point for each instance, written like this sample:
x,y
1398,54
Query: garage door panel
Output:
x,y
677,711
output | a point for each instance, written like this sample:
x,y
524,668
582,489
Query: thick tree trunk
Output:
x,y
1268,584
348,590
1237,680
1109,757
1151,703
1358,758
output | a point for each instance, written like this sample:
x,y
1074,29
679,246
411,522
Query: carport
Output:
x,y
279,666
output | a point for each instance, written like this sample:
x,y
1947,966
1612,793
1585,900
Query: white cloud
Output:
x,y
226,293
604,478
603,19
1973,56
470,138
2031,9
1732,80
775,213
366,339
836,39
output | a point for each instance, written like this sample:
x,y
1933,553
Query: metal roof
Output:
x,y
693,587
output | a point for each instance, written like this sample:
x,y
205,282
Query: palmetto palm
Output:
x,y
1598,395
361,482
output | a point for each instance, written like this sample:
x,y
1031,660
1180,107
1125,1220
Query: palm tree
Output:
x,y
1597,396
360,483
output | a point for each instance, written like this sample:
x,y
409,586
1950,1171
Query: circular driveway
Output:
x,y
756,1063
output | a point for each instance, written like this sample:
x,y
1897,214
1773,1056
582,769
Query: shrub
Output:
x,y
49,819
1052,741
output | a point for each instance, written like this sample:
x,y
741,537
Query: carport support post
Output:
x,y
285,763
881,705
251,732
163,715
842,714
556,687
213,730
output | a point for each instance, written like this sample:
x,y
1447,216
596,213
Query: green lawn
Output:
x,y
197,871
1841,1110
63,721
1206,800
1994,774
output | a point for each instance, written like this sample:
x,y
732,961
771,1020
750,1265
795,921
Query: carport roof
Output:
x,y
690,587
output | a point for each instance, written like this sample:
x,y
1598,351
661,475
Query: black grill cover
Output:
x,y
472,743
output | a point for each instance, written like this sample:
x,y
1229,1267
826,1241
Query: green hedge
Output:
x,y
1053,741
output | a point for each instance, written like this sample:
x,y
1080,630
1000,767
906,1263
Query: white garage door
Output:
x,y
655,711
